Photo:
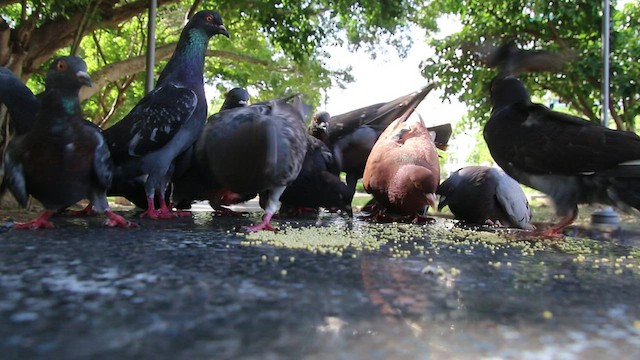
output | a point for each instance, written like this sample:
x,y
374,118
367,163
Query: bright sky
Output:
x,y
388,77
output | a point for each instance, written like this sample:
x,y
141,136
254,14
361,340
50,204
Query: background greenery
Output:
x,y
283,46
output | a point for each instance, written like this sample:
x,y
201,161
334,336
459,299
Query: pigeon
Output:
x,y
572,160
402,171
318,184
351,136
194,184
509,59
318,126
186,185
255,149
21,103
236,97
63,158
169,119
485,195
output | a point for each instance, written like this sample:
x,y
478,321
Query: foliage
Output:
x,y
562,26
276,47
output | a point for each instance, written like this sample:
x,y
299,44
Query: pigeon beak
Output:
x,y
242,102
347,209
442,203
431,200
223,30
84,78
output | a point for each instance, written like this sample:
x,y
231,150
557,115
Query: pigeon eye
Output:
x,y
61,65
209,18
417,185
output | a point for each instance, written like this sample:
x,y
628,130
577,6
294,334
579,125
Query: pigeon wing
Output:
x,y
14,175
153,122
544,141
513,201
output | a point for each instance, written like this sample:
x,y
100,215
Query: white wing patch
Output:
x,y
513,200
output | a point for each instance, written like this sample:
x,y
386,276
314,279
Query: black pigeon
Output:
x,y
236,97
509,59
168,120
572,160
259,148
485,195
63,158
21,103
318,126
318,184
351,136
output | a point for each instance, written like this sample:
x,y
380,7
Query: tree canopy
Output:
x,y
277,47
562,26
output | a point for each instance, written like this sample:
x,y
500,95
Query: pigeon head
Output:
x,y
321,117
210,21
446,188
506,91
415,185
68,74
236,97
319,126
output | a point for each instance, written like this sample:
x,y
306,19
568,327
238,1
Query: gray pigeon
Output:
x,y
258,148
485,195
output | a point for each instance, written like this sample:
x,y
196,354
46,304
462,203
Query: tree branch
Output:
x,y
118,70
239,57
193,8
620,125
134,65
8,2
86,18
59,33
5,38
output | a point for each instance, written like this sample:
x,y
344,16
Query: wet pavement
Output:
x,y
322,288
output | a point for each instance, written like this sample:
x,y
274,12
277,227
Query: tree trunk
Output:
x,y
30,47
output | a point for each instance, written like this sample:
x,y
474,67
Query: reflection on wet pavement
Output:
x,y
194,288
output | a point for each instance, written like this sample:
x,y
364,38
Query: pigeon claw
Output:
x,y
115,220
223,211
264,225
42,222
87,211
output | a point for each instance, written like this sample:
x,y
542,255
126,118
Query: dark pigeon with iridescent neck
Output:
x,y
168,120
63,158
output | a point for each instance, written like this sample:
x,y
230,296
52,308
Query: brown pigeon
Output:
x,y
402,171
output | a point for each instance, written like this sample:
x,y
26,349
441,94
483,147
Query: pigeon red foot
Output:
x,y
163,212
87,211
115,220
264,225
42,222
224,211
